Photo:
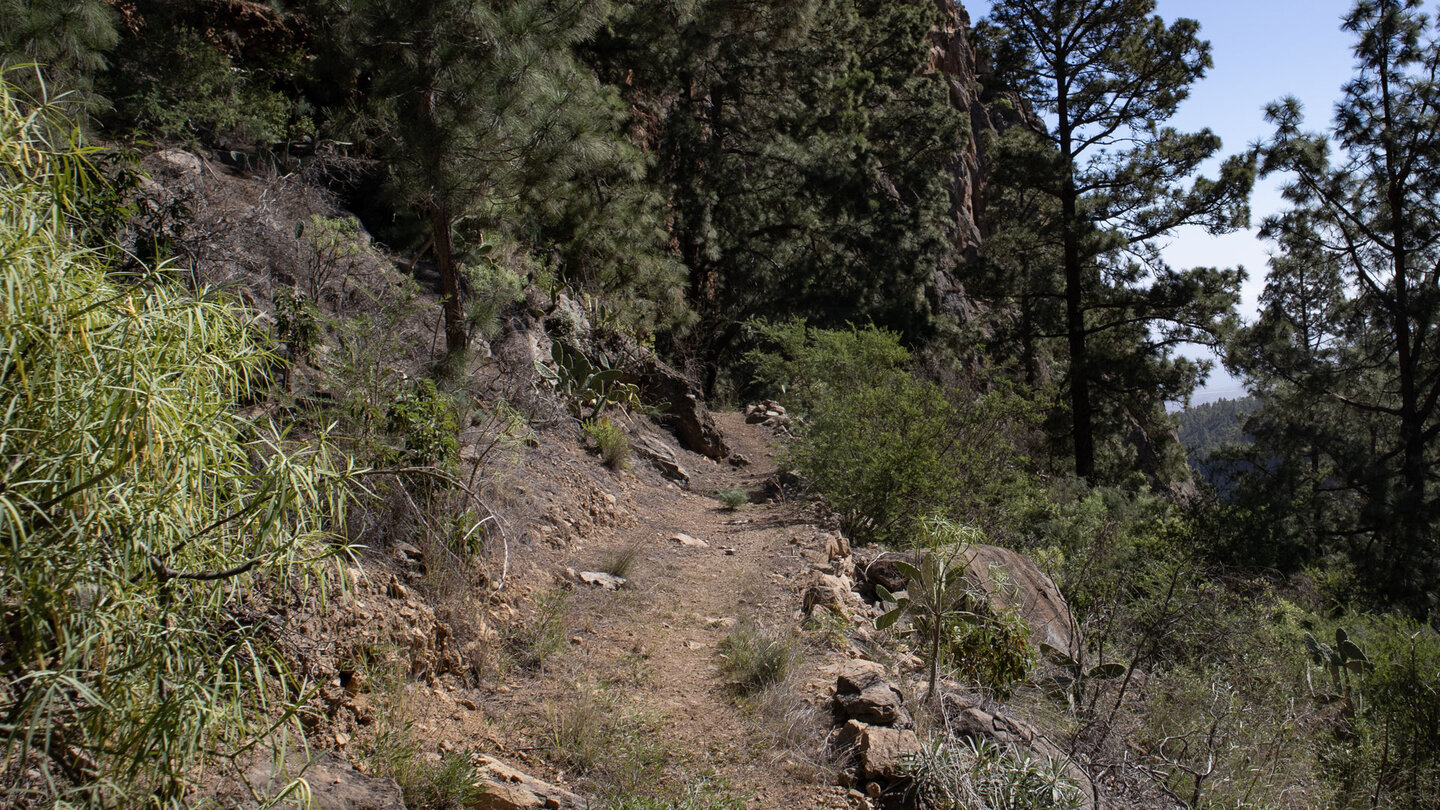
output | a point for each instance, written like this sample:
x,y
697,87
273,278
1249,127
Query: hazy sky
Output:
x,y
1263,50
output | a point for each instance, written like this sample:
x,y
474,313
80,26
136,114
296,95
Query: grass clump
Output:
x,y
702,794
610,442
753,657
600,737
621,562
535,640
446,784
732,498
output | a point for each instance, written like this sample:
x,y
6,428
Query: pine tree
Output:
x,y
1346,353
66,41
1106,74
805,152
480,109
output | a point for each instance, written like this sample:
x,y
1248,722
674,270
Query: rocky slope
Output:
x,y
589,649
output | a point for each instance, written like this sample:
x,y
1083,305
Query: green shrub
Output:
x,y
732,498
880,454
883,446
137,510
610,442
991,649
297,326
1389,745
424,422
334,247
753,657
177,85
806,366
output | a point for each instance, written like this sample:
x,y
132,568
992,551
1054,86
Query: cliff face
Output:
x,y
953,55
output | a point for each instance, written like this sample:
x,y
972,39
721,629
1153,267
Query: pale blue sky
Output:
x,y
1263,50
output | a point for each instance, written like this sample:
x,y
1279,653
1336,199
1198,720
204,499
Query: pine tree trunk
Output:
x,y
1414,521
456,339
1082,430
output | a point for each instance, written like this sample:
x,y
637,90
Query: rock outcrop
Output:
x,y
953,56
508,789
1011,579
875,731
684,412
863,693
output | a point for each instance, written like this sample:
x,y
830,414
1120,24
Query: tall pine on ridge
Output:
x,y
1105,75
804,149
1351,322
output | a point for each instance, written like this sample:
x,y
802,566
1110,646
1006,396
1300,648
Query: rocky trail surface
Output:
x,y
601,669
638,669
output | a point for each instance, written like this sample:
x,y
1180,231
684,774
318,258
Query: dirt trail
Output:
x,y
651,649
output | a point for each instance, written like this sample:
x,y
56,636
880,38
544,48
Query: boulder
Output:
x,y
508,789
1011,579
600,579
686,540
864,694
684,413
876,566
882,754
180,160
829,591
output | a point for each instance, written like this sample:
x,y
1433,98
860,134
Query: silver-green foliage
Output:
x,y
137,508
732,498
938,593
949,775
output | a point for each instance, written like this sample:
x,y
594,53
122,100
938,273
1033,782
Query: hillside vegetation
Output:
x,y
356,360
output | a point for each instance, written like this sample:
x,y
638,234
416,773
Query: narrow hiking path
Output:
x,y
630,692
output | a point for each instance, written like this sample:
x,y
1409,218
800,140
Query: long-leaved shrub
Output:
x,y
139,512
